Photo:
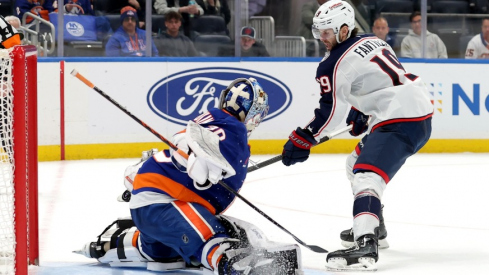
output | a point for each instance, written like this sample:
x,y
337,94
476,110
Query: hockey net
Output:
x,y
18,160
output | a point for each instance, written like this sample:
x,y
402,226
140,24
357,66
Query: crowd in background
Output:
x,y
187,28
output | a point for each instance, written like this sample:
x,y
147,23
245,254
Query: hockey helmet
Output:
x,y
246,100
333,15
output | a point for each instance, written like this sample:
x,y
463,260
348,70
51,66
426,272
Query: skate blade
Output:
x,y
339,264
383,244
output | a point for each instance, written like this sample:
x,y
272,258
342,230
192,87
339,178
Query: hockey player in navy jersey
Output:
x,y
362,77
177,203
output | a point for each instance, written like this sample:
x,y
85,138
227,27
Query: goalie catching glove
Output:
x,y
206,165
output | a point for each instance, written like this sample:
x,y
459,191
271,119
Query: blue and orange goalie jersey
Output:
x,y
159,181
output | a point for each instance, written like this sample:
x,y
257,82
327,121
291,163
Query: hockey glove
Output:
x,y
358,120
203,172
298,147
9,35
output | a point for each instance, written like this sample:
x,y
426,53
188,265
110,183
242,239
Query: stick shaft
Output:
x,y
279,157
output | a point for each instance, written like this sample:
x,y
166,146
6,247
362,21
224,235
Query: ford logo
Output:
x,y
183,96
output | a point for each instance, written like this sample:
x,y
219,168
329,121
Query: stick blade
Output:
x,y
316,249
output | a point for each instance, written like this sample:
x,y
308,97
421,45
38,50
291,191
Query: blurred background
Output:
x,y
279,28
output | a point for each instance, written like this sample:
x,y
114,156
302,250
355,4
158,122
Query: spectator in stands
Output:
x,y
216,7
80,7
256,6
381,30
41,8
172,42
411,44
307,13
183,7
478,47
249,46
115,6
128,40
14,21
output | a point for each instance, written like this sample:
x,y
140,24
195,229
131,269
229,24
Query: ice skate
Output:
x,y
347,235
362,256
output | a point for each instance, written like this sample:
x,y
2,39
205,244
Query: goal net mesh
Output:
x,y
7,230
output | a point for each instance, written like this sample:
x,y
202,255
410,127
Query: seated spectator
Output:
x,y
478,45
181,6
411,44
128,40
307,13
381,30
41,8
115,6
249,46
172,42
80,7
256,6
216,7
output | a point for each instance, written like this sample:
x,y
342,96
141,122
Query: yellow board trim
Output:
x,y
258,147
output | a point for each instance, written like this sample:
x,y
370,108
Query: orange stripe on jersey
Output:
x,y
171,187
135,238
209,256
194,218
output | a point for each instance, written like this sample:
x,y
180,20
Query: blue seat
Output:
x,y
450,24
158,23
115,21
209,44
397,24
454,6
209,24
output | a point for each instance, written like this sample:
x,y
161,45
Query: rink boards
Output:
x,y
165,93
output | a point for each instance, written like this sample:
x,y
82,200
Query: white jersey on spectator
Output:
x,y
477,48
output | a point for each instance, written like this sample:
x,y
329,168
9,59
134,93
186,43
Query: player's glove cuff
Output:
x,y
358,120
302,139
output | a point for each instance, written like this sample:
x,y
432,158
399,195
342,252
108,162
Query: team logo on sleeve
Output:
x,y
185,95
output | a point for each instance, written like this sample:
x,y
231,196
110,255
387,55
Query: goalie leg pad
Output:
x,y
126,250
248,249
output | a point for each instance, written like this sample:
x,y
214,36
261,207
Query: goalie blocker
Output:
x,y
247,250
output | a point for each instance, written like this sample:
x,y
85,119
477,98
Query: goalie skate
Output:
x,y
362,256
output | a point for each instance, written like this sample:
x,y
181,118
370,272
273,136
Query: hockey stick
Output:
x,y
280,157
167,142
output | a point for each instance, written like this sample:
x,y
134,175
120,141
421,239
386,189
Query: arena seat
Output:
x,y
396,23
209,44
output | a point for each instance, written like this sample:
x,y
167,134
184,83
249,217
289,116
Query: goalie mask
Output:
x,y
333,15
246,100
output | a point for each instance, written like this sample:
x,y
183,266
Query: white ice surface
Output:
x,y
435,211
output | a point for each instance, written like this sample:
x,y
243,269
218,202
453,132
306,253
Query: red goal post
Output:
x,y
19,245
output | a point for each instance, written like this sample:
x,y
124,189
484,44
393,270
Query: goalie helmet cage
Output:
x,y
19,245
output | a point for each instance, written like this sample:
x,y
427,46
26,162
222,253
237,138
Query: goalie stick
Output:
x,y
76,74
280,157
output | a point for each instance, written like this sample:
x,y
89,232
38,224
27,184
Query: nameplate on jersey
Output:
x,y
365,47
